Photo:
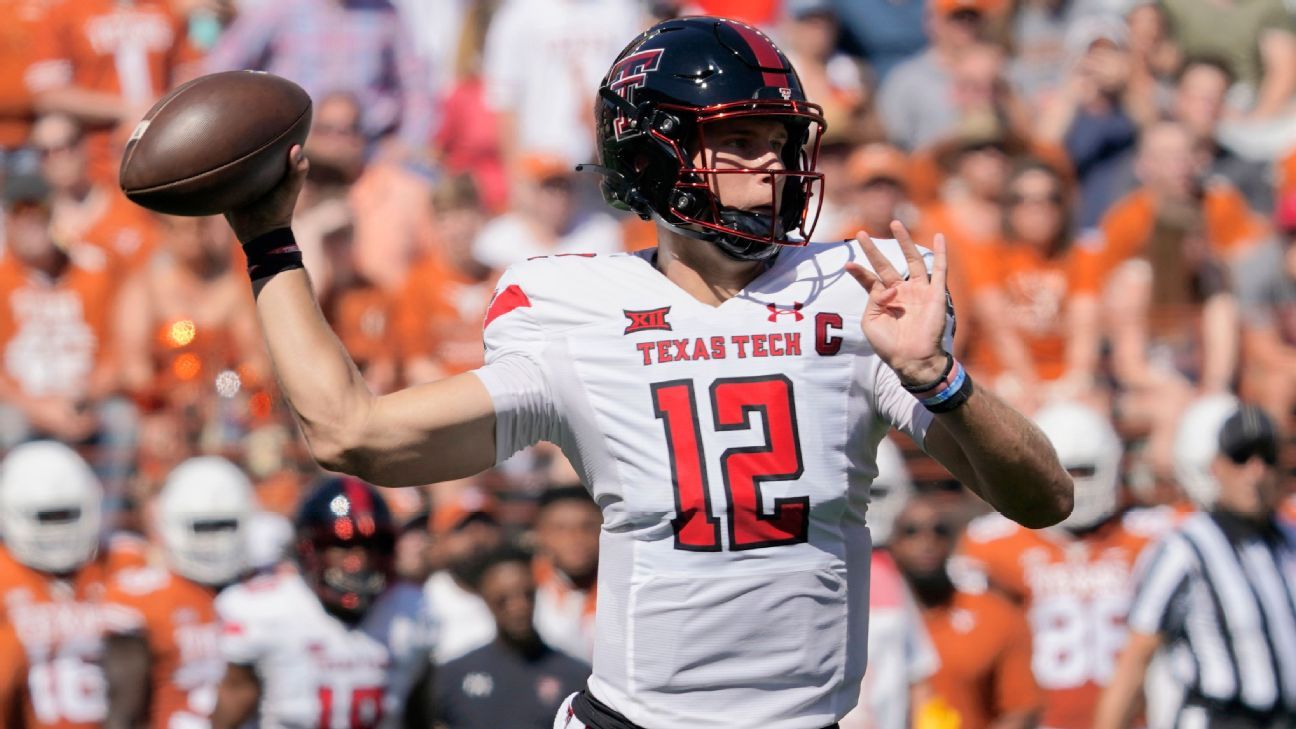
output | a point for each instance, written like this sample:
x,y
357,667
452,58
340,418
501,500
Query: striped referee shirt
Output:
x,y
1222,594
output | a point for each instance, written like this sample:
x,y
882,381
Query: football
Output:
x,y
214,143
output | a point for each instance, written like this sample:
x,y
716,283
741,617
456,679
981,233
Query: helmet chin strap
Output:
x,y
735,247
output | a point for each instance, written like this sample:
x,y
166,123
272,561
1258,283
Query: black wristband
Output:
x,y
271,253
955,401
949,366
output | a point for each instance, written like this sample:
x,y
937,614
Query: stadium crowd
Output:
x,y
1116,180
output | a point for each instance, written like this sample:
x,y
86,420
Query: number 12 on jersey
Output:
x,y
734,401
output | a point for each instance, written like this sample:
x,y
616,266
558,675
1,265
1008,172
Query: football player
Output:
x,y
721,395
338,646
1073,580
161,657
53,576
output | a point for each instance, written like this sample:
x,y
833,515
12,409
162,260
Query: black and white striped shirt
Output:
x,y
1222,593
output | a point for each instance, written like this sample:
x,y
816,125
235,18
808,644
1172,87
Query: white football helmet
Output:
x,y
1196,444
1090,450
203,510
888,493
50,507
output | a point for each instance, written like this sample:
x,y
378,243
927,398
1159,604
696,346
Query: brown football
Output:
x,y
215,143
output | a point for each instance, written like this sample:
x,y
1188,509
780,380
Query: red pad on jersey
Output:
x,y
505,301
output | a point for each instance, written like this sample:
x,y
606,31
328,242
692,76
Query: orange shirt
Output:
x,y
439,314
1231,225
390,203
985,658
60,623
54,332
1075,591
362,319
1037,290
126,232
128,48
178,620
19,20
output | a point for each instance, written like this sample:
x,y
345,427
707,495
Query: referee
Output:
x,y
1218,594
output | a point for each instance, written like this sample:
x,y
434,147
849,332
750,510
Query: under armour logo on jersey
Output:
x,y
775,311
628,74
647,320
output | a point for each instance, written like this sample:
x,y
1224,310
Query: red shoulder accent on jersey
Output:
x,y
505,301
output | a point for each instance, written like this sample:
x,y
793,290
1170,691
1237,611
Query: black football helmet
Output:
x,y
652,114
346,512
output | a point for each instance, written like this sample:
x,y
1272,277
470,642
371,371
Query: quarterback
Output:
x,y
721,395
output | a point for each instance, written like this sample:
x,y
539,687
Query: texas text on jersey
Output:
x,y
53,576
724,582
1075,592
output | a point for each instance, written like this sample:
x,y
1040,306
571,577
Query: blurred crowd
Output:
x,y
1116,180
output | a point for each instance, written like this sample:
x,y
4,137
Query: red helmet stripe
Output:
x,y
358,495
767,54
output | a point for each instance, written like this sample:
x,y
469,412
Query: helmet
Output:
x,y
348,513
652,114
203,512
1196,444
889,491
1090,450
50,507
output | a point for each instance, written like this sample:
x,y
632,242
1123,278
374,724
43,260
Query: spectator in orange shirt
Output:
x,y
105,62
361,312
440,311
1035,299
19,20
54,300
878,186
1171,316
88,211
969,212
982,638
186,327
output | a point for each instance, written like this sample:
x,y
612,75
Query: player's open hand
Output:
x,y
905,317
274,209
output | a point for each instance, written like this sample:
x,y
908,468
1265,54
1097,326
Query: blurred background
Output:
x,y
1116,180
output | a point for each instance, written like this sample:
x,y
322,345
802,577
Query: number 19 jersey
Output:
x,y
730,449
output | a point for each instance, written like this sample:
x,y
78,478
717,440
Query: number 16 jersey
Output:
x,y
730,449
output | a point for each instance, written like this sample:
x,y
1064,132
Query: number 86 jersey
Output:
x,y
730,449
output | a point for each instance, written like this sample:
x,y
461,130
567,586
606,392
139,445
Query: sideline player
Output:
x,y
336,645
161,657
53,575
1074,581
714,393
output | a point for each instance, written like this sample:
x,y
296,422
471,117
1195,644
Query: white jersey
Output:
x,y
317,671
730,449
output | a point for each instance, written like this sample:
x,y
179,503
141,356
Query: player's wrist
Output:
x,y
924,374
272,252
949,391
